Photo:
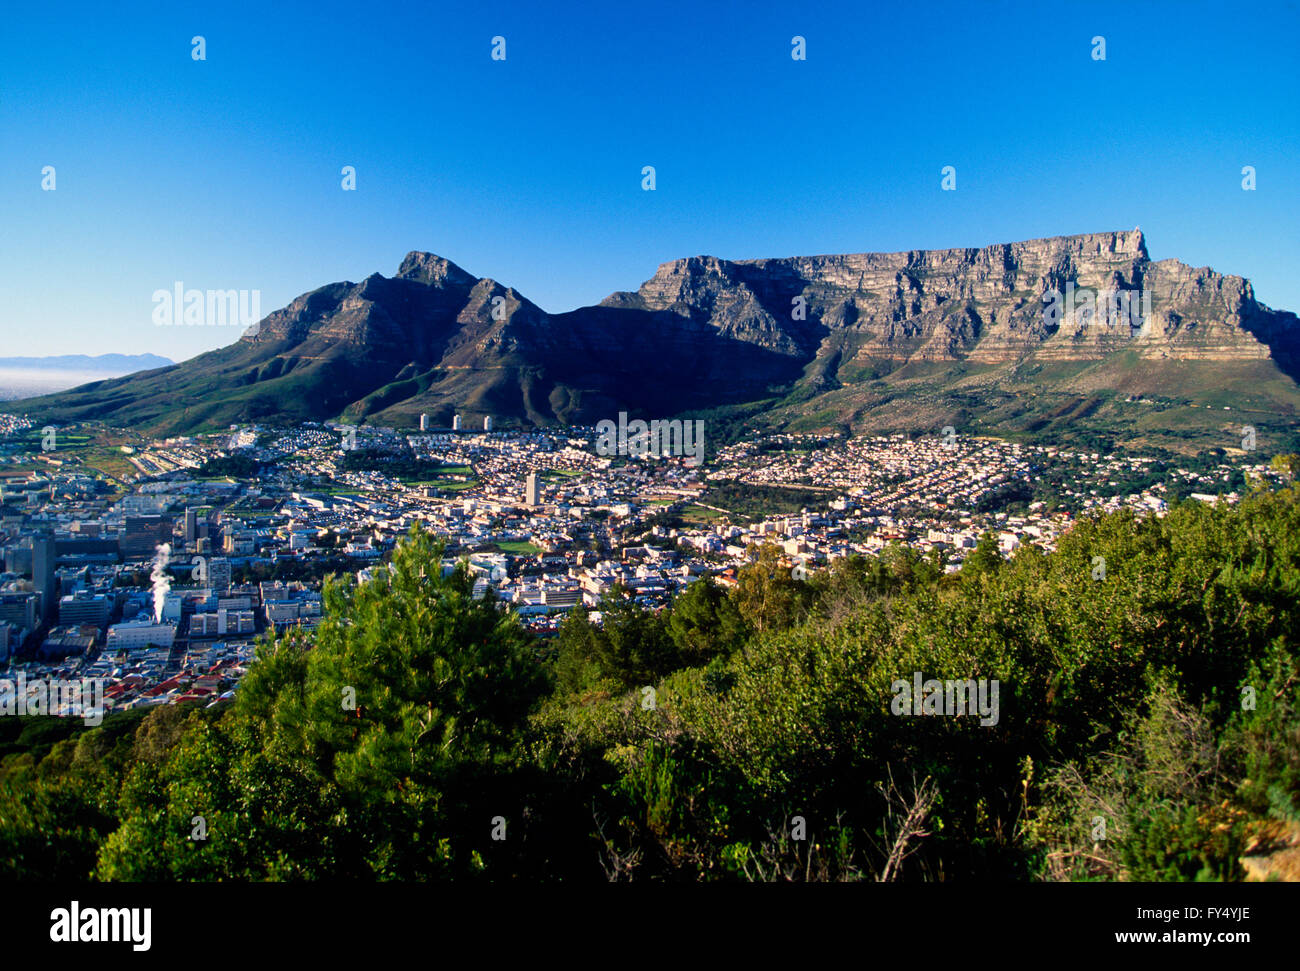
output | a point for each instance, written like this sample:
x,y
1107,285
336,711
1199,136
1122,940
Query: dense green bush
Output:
x,y
1146,728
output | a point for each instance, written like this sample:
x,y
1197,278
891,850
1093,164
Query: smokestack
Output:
x,y
161,581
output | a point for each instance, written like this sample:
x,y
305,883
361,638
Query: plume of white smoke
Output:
x,y
162,582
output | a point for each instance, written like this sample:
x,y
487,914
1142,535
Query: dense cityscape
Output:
x,y
159,579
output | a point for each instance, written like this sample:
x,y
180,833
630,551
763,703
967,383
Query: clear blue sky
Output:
x,y
225,173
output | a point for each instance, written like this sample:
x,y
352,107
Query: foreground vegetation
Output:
x,y
1147,728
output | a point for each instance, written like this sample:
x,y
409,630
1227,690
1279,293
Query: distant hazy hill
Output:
x,y
889,342
23,376
118,364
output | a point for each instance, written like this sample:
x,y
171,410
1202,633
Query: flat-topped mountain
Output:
x,y
885,341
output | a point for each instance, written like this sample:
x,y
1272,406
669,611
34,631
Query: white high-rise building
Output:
x,y
487,423
455,423
219,574
424,423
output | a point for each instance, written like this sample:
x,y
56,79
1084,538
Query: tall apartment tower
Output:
x,y
455,423
424,423
532,494
487,423
219,574
43,577
191,525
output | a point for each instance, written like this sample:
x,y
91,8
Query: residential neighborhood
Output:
x,y
160,582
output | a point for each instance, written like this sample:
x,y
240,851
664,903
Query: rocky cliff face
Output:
x,y
704,332
985,305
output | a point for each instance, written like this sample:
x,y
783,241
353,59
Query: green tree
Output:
x,y
984,559
1287,466
633,646
383,747
705,623
766,593
577,654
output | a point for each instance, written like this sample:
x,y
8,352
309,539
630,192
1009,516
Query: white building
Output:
x,y
171,610
222,622
139,633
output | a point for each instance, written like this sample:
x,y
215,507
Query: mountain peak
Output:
x,y
1139,241
432,270
1132,242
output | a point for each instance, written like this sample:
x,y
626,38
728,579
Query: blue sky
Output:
x,y
225,173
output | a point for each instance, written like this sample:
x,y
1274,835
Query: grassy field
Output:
x,y
335,490
109,460
447,485
521,547
700,515
96,448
